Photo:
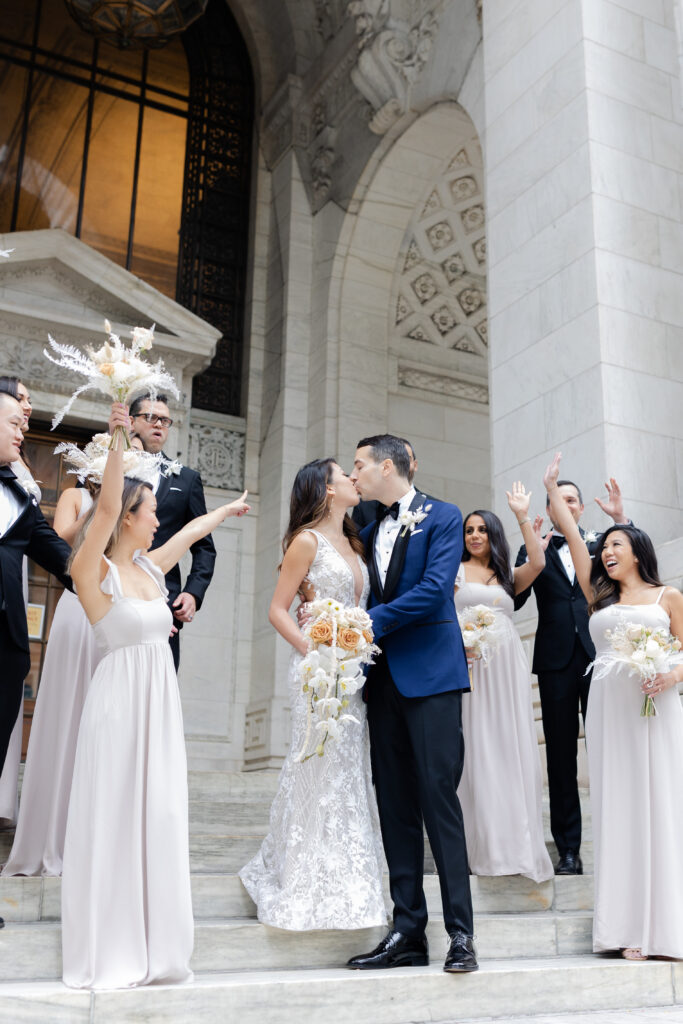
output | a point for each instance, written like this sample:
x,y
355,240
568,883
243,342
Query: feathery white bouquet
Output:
x,y
341,644
644,650
89,463
116,371
480,632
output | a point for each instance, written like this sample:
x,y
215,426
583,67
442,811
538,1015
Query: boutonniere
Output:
x,y
409,520
171,468
590,536
32,489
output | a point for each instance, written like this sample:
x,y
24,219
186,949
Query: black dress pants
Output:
x,y
16,664
563,693
417,753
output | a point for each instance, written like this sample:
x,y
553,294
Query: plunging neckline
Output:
x,y
356,597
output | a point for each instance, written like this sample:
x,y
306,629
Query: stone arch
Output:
x,y
411,298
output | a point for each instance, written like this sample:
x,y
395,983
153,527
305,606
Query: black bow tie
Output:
x,y
558,540
388,510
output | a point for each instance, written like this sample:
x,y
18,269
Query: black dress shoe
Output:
x,y
461,957
569,864
395,950
2,922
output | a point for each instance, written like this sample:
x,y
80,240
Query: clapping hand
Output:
x,y
613,507
519,500
537,527
552,472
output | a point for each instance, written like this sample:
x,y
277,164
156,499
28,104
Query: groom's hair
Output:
x,y
566,483
386,446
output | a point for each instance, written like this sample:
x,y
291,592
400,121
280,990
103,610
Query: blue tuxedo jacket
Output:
x,y
413,614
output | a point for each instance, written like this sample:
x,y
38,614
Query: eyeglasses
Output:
x,y
164,421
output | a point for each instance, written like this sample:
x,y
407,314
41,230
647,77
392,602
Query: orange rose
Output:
x,y
321,633
107,369
469,625
348,638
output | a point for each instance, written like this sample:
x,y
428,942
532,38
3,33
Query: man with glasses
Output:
x,y
180,498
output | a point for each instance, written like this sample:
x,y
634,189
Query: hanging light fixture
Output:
x,y
135,23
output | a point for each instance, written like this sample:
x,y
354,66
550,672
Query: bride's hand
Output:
x,y
662,681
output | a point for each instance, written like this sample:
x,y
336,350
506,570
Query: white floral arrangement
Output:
x,y
480,632
590,536
644,651
409,520
341,643
116,371
89,463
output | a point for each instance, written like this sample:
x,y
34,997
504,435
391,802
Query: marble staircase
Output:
x,y
534,944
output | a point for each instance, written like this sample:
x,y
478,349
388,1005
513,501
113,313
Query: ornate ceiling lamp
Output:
x,y
135,23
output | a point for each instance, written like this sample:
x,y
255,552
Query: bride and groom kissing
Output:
x,y
320,865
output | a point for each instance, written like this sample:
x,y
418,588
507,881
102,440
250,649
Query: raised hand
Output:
x,y
238,507
613,506
118,418
519,499
552,472
537,527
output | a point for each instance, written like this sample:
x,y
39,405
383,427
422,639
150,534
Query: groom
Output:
x,y
414,694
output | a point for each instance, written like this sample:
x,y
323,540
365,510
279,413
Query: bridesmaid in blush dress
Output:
x,y
70,660
635,763
126,899
503,823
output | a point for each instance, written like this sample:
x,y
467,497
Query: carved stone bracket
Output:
x,y
394,42
217,452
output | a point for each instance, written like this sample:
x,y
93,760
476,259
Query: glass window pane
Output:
x,y
51,172
109,182
13,81
159,200
167,69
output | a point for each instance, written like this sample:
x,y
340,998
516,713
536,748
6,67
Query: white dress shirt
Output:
x,y
387,532
566,559
10,507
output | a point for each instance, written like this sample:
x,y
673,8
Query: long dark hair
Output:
x,y
10,385
499,558
308,504
605,590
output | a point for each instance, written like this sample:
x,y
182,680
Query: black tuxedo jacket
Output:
x,y
180,498
562,613
28,535
364,513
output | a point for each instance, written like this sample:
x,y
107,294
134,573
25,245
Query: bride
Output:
x,y
320,866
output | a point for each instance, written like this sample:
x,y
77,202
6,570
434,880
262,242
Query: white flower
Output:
x,y
6,253
143,338
31,487
590,536
409,520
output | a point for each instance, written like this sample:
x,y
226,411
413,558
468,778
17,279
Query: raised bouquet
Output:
x,y
341,643
89,463
115,370
644,651
480,632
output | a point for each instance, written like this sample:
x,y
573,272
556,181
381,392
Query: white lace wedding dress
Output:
x,y
320,866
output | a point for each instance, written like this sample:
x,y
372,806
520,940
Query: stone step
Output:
x,y
403,996
32,951
38,899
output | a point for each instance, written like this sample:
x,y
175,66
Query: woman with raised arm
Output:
x,y
126,901
320,866
501,787
635,763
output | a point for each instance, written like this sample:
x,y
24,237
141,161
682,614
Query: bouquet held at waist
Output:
x,y
645,651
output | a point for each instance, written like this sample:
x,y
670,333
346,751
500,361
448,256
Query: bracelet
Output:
x,y
523,521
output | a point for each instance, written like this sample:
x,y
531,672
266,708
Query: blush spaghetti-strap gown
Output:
x,y
126,900
636,786
501,786
71,658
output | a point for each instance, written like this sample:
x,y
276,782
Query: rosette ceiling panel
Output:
x,y
135,23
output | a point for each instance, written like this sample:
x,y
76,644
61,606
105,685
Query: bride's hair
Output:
x,y
499,559
308,504
131,499
606,590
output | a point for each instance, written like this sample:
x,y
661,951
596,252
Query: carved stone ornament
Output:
x,y
218,454
440,384
393,50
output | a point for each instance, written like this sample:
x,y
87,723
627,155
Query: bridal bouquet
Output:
x,y
645,651
113,369
340,645
89,463
480,632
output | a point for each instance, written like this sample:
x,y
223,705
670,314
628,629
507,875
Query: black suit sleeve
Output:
x,y
203,551
521,598
49,550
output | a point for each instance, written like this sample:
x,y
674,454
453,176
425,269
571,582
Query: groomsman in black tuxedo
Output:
x,y
180,498
365,512
23,531
562,652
